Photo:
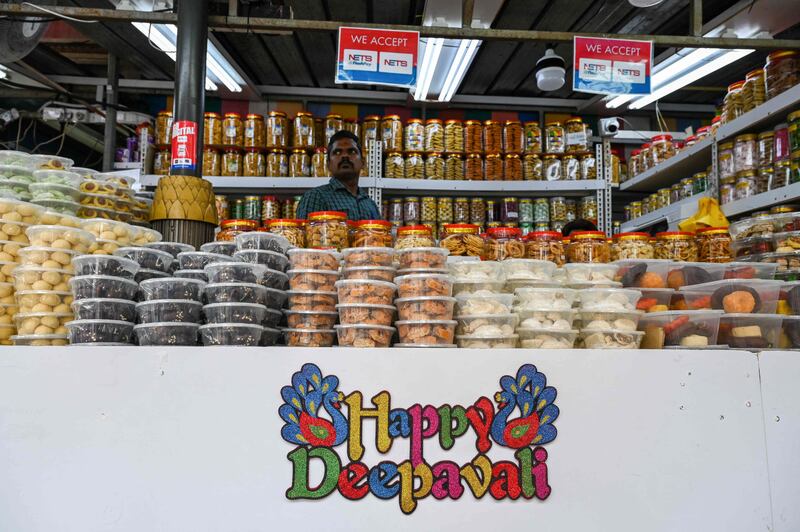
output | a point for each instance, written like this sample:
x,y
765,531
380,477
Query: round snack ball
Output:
x,y
63,308
12,249
6,319
6,290
61,257
51,277
7,300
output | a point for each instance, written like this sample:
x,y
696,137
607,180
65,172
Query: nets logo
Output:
x,y
395,63
595,69
360,60
628,72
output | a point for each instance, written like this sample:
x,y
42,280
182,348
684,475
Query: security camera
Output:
x,y
550,71
609,127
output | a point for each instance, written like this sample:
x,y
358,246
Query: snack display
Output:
x,y
309,338
750,331
424,284
680,328
365,291
172,288
734,296
610,339
364,335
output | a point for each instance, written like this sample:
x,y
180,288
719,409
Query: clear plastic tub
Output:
x,y
47,191
312,300
273,317
235,313
41,323
425,308
220,248
19,211
359,313
786,241
235,272
527,269
621,321
274,279
119,232
263,240
422,258
36,278
41,340
48,217
92,331
235,293
58,177
749,270
314,280
424,284
478,287
755,226
104,309
172,288
684,328
426,332
60,237
511,286
476,271
271,259
310,319
594,284
610,339
200,275
198,260
790,333
603,299
478,304
42,301
309,338
364,335
368,256
365,291
144,275
753,246
682,274
546,298
169,333
560,320
425,346
487,342
543,338
412,271
97,286
173,248
642,273
238,334
105,265
46,257
14,231
314,259
737,296
588,272
150,259
168,310
380,273
750,331
270,336
487,325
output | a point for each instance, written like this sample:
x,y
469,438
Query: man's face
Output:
x,y
344,160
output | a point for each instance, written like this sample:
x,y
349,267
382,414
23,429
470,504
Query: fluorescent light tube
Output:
x,y
464,55
430,59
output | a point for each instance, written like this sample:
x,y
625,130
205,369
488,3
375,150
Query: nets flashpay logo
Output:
x,y
360,60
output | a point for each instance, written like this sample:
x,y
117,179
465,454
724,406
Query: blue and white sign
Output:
x,y
612,66
377,57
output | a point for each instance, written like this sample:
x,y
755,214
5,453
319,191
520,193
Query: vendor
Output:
x,y
342,192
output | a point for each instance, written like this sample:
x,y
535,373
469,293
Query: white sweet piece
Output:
x,y
546,341
609,339
546,320
624,324
544,299
598,324
471,271
610,301
482,307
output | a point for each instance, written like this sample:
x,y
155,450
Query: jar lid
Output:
x,y
632,236
502,232
433,121
757,73
413,230
490,122
550,156
269,198
635,152
474,155
334,116
746,173
414,121
716,119
462,229
553,124
285,222
165,113
532,123
780,54
793,116
574,120
321,149
659,138
210,115
232,149
646,146
728,180
512,122
735,86
233,115
302,113
588,235
726,146
227,224
769,134
327,215
674,235
434,154
254,115
748,136
544,234
713,230
782,209
298,150
391,117
374,224
704,129
473,122
277,113
452,121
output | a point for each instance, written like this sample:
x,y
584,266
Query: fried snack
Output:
x,y
380,273
47,257
424,257
35,278
785,242
364,335
326,234
427,332
425,308
610,339
103,247
368,256
365,291
365,314
13,232
312,300
309,338
10,251
499,250
314,259
33,301
58,237
424,284
413,241
310,319
312,280
461,245
43,323
6,269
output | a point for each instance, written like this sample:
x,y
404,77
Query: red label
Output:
x,y
184,145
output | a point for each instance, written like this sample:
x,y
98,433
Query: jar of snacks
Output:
x,y
782,72
577,139
714,244
727,166
291,230
644,157
551,168
503,243
745,155
392,133
474,167
319,132
333,123
473,136
745,184
232,130
164,128
411,209
545,245
434,166
509,210
319,163
675,193
230,228
395,165
414,135
254,131
513,137
372,233
277,163
554,141
635,163
444,209
454,167
782,175
766,149
676,245
533,138
588,167
636,209
541,210
727,190
492,211
303,137
327,229
493,168
794,131
616,167
370,130
270,208
765,179
352,125
588,208
627,213
492,137
414,166
781,142
396,210
434,136
254,162
532,167
526,210
232,162
794,177
571,168
477,211
732,106
277,130
461,210
588,246
414,236
212,161
463,240
699,183
754,92
163,160
687,184
703,132
299,163
512,167
453,137
661,148
632,246
428,209
212,130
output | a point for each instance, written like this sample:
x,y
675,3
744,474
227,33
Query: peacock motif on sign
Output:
x,y
309,396
530,394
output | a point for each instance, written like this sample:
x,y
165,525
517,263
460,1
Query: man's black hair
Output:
x,y
578,225
344,134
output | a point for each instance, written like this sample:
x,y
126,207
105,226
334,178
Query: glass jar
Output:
x,y
372,233
676,245
533,138
627,213
782,72
782,175
512,167
663,197
551,168
164,128
661,148
545,245
509,210
232,162
699,183
277,163
477,211
632,246
541,211
732,105
327,229
434,136
745,184
319,163
754,91
703,132
462,240
212,130
577,138
319,133
492,137
453,137
588,246
727,190
444,210
503,243
794,131
727,166
232,130
526,210
412,213
781,145
392,133
230,228
636,209
414,166
765,179
270,209
333,124
162,162
714,245
635,163
766,149
370,130
493,167
303,131
299,163
352,125
434,166
532,167
254,131
212,161
473,136
794,165
644,155
571,168
394,166
588,168
588,208
277,130
474,167
254,162
616,167
415,135
492,212
687,183
414,236
291,230
558,209
554,141
513,137
454,167
744,153
396,210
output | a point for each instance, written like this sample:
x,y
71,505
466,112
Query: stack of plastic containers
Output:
x,y
153,263
57,190
107,196
170,311
546,317
111,235
524,273
234,323
311,313
609,318
581,275
16,175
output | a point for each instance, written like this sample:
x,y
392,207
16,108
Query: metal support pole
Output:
x,y
696,18
110,130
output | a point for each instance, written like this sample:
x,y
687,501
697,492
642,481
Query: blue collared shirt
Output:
x,y
335,197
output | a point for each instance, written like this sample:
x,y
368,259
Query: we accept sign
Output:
x,y
612,66
330,441
378,57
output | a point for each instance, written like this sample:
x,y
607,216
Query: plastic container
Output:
x,y
604,299
311,300
546,319
790,333
102,286
487,342
642,273
527,269
316,280
309,338
270,336
105,265
380,273
168,310
539,338
235,272
424,284
365,291
36,278
429,257
37,323
682,274
104,309
364,335
610,339
426,332
368,256
151,259
173,248
235,293
273,317
546,298
271,259
41,340
219,248
475,270
56,236
352,314
262,240
588,272
477,287
59,206
684,328
736,296
200,275
487,325
172,288
749,270
92,331
238,334
144,275
166,333
620,320
481,304
310,319
198,260
750,331
655,299
29,301
753,245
